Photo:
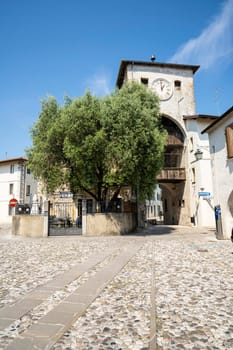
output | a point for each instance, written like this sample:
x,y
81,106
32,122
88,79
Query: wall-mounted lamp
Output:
x,y
198,154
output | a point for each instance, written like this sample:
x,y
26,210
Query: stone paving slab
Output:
x,y
120,316
64,313
13,312
54,324
29,344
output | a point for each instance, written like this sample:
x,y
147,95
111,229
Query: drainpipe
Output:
x,y
22,169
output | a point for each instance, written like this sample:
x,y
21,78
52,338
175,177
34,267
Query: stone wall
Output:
x,y
101,224
98,224
30,225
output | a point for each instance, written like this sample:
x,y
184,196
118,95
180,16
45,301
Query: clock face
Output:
x,y
162,88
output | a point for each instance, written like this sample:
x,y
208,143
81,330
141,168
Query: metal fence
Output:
x,y
64,219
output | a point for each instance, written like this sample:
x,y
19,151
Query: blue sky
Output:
x,y
64,47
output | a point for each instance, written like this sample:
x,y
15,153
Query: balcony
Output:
x,y
172,175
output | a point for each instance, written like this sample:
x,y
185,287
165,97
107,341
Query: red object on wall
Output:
x,y
13,202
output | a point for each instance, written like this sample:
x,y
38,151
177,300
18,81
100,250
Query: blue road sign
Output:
x,y
203,194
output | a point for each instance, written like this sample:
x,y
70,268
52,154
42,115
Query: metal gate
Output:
x,y
65,218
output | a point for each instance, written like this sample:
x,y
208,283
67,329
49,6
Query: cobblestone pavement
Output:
x,y
162,288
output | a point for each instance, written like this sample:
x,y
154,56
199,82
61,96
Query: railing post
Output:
x,y
84,216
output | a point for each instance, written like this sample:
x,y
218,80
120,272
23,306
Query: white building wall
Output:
x,y
6,179
222,170
154,207
200,173
30,181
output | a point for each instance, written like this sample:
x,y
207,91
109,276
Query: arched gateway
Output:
x,y
172,178
173,83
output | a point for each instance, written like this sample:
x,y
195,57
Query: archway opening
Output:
x,y
172,178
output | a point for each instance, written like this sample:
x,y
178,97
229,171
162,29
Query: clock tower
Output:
x,y
173,84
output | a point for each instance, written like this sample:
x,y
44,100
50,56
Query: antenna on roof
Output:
x,y
152,58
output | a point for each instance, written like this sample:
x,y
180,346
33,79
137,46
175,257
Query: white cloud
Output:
x,y
214,43
99,84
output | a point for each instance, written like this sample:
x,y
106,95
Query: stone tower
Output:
x,y
173,83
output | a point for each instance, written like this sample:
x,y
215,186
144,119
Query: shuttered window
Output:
x,y
229,140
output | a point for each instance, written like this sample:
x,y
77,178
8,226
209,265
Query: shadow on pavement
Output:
x,y
155,230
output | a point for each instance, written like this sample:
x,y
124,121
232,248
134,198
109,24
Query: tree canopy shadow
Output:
x,y
155,230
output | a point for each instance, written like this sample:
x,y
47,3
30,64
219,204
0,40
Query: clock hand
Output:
x,y
161,85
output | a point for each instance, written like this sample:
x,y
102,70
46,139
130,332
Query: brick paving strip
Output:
x,y
153,334
10,313
46,332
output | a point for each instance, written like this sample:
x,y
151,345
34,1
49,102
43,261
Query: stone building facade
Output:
x,y
174,85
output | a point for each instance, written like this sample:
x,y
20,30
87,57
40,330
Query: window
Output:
x,y
177,84
11,188
28,171
191,144
181,203
144,81
229,140
193,175
12,168
28,190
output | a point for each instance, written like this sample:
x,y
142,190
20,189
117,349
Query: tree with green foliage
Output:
x,y
99,145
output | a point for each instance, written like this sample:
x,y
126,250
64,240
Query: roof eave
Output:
x,y
13,160
125,63
200,116
218,120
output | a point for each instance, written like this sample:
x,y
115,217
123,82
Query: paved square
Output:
x,y
162,288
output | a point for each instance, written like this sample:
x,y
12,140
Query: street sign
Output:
x,y
203,194
13,202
